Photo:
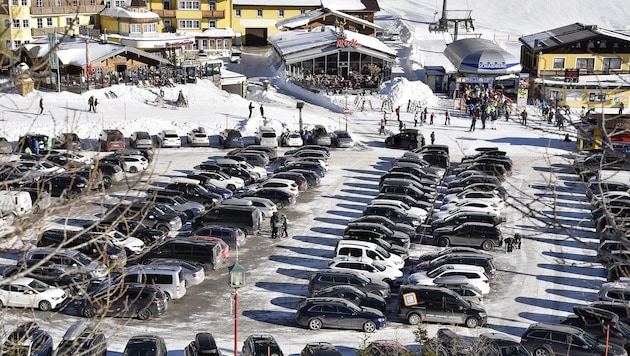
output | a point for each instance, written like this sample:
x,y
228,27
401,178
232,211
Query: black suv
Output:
x,y
601,324
486,236
65,185
326,278
149,215
82,339
409,139
28,339
559,339
464,217
204,344
194,192
261,345
145,345
247,218
320,349
141,301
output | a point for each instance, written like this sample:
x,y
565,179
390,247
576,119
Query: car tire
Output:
x,y
443,242
1,305
472,322
71,194
231,187
369,327
189,213
411,147
107,182
487,245
44,305
414,319
133,169
314,324
163,228
207,205
144,314
541,351
280,205
88,312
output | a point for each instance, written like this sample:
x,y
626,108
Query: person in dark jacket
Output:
x,y
275,225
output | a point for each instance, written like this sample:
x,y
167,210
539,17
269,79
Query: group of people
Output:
x,y
251,110
92,104
279,222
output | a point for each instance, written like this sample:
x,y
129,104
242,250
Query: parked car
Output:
x,y
407,140
320,349
140,139
67,140
320,136
5,146
476,275
28,339
462,286
327,278
193,192
28,292
140,301
485,236
354,295
111,140
82,339
318,313
204,344
74,262
473,259
543,339
266,206
223,180
281,198
168,138
233,236
498,344
375,270
602,324
261,345
231,138
342,139
247,218
386,348
152,345
291,139
194,274
198,137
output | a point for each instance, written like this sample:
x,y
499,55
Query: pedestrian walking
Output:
x,y
621,107
275,225
381,130
524,117
432,117
473,123
36,144
91,104
262,111
447,120
507,113
408,105
400,125
251,109
41,106
432,137
415,119
285,226
385,117
95,104
398,113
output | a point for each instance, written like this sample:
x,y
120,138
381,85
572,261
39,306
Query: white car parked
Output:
x,y
476,195
374,270
31,293
418,213
135,164
198,137
45,167
285,185
266,206
169,138
223,180
472,203
472,206
476,275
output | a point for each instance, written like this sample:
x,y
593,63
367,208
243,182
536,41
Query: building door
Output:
x,y
256,37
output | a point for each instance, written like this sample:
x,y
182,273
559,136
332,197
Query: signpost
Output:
x,y
346,112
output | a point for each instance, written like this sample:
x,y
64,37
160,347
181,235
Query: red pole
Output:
x,y
235,321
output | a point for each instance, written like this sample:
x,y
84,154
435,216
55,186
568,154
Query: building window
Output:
x,y
14,3
597,97
226,44
150,27
166,5
585,63
108,4
189,24
26,23
558,63
135,28
237,12
57,3
7,43
302,11
49,22
17,43
212,23
220,45
211,44
188,5
92,2
25,3
119,3
40,22
280,12
69,21
613,63
39,3
259,13
212,5
16,23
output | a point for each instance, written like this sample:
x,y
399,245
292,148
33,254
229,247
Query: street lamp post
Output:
x,y
346,110
237,280
300,105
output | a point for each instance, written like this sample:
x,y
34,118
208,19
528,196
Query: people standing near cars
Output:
x,y
275,225
262,111
285,226
432,137
251,109
398,113
95,104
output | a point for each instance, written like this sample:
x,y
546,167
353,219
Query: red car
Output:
x,y
225,248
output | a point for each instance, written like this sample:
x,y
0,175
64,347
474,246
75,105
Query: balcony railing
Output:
x,y
81,9
214,14
164,13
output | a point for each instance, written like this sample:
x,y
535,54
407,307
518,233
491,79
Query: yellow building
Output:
x,y
578,65
21,21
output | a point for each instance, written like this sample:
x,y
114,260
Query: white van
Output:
x,y
356,248
266,136
16,203
170,279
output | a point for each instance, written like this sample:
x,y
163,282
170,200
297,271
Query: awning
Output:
x,y
478,56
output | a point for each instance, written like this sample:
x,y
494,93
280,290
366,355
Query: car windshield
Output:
x,y
383,252
590,341
143,136
622,327
179,200
234,134
436,272
38,285
379,265
82,259
514,350
199,189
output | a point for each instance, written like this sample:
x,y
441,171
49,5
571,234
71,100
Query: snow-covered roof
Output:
x,y
287,3
74,51
217,32
346,5
295,46
561,36
122,13
481,56
305,18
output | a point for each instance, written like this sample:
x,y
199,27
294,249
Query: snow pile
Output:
x,y
400,91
